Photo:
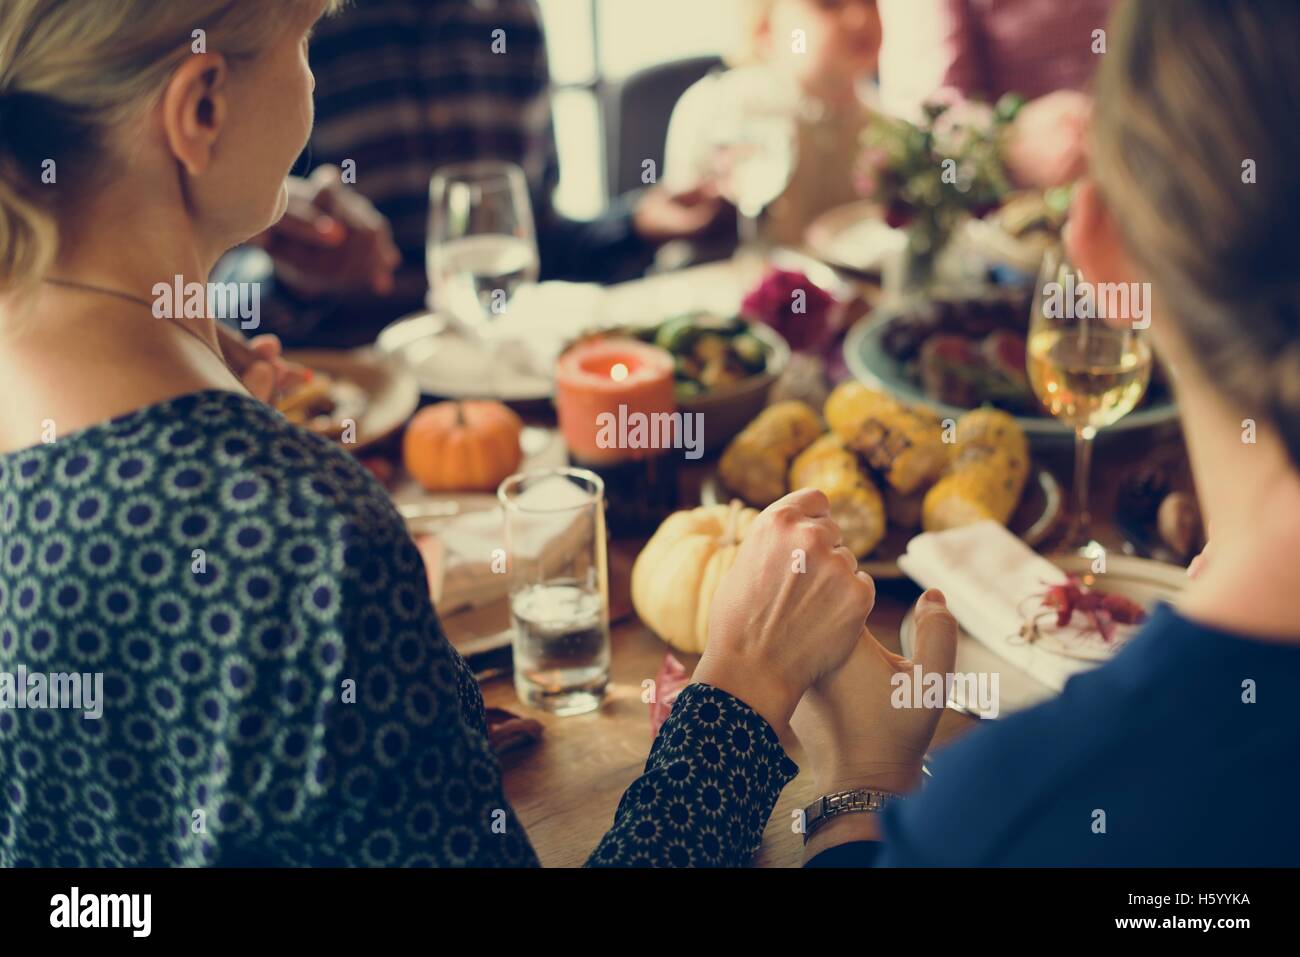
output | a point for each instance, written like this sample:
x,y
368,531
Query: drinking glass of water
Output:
x,y
482,242
559,588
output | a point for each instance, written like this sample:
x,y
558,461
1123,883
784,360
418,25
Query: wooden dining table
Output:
x,y
566,785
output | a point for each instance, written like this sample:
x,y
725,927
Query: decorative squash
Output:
x,y
678,571
462,446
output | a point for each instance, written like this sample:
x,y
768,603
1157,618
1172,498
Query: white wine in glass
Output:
x,y
1088,371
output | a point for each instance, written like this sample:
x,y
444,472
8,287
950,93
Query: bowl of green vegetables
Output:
x,y
724,368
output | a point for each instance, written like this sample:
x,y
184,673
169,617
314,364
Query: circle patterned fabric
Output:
x,y
276,686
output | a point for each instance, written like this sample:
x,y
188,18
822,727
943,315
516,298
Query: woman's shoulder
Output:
x,y
217,475
191,447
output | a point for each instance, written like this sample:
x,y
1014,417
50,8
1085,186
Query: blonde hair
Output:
x,y
73,70
1192,97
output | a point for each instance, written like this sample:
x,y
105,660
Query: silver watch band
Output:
x,y
855,801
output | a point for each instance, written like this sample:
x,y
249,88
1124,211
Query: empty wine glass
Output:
x,y
1088,369
753,160
482,242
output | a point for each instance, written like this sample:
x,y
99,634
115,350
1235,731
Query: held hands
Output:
x,y
789,611
331,240
852,733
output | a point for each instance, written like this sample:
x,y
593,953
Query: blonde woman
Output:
x,y
264,678
1180,750
802,62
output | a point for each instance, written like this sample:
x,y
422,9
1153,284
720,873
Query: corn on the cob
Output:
x,y
856,505
755,464
904,445
991,464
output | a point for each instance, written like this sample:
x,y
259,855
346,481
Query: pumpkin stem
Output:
x,y
730,529
460,415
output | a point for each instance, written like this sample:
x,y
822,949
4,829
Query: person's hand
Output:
x,y
852,733
788,611
1047,143
662,215
331,240
259,364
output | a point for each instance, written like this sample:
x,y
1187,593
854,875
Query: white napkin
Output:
x,y
535,327
475,565
987,575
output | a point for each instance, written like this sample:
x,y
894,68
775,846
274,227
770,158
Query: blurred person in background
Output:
x,y
1029,47
404,87
811,61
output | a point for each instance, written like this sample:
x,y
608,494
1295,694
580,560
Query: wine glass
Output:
x,y
1088,370
482,242
753,160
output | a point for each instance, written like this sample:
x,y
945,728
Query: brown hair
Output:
x,y
71,71
1191,95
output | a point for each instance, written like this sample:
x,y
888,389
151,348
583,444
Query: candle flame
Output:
x,y
619,372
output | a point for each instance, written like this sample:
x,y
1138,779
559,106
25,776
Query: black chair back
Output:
x,y
637,111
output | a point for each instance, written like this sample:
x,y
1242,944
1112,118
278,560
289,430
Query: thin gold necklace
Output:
x,y
130,297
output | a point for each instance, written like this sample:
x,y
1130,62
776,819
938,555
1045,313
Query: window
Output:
x,y
592,43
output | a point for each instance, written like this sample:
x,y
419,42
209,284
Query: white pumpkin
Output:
x,y
678,571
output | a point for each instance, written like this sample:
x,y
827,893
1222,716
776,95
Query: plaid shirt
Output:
x,y
406,86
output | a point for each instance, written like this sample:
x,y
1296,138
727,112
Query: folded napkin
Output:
x,y
470,549
538,323
988,576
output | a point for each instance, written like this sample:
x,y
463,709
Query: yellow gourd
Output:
x,y
676,574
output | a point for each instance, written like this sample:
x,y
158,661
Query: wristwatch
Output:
x,y
855,801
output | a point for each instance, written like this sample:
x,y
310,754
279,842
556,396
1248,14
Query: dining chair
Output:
x,y
637,111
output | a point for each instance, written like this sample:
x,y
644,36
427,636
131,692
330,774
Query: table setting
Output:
x,y
579,463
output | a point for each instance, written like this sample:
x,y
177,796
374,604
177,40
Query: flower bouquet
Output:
x,y
931,176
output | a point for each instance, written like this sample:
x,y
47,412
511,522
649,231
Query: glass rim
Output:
x,y
597,492
478,170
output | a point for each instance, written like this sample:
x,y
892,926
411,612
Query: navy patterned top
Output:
x,y
235,626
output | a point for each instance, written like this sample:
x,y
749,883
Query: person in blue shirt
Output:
x,y
1179,751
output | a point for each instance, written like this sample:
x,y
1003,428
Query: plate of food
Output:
x,y
855,240
961,352
356,398
1098,614
447,361
890,470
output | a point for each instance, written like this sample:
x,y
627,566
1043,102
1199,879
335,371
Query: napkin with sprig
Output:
x,y
1017,603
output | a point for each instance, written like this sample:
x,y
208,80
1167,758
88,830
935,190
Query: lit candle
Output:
x,y
602,384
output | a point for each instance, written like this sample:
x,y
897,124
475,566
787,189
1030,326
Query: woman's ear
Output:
x,y
194,107
1092,238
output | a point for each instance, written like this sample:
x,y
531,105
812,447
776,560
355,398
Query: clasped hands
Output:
x,y
788,636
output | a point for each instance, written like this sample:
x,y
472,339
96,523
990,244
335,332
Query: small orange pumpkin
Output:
x,y
462,446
